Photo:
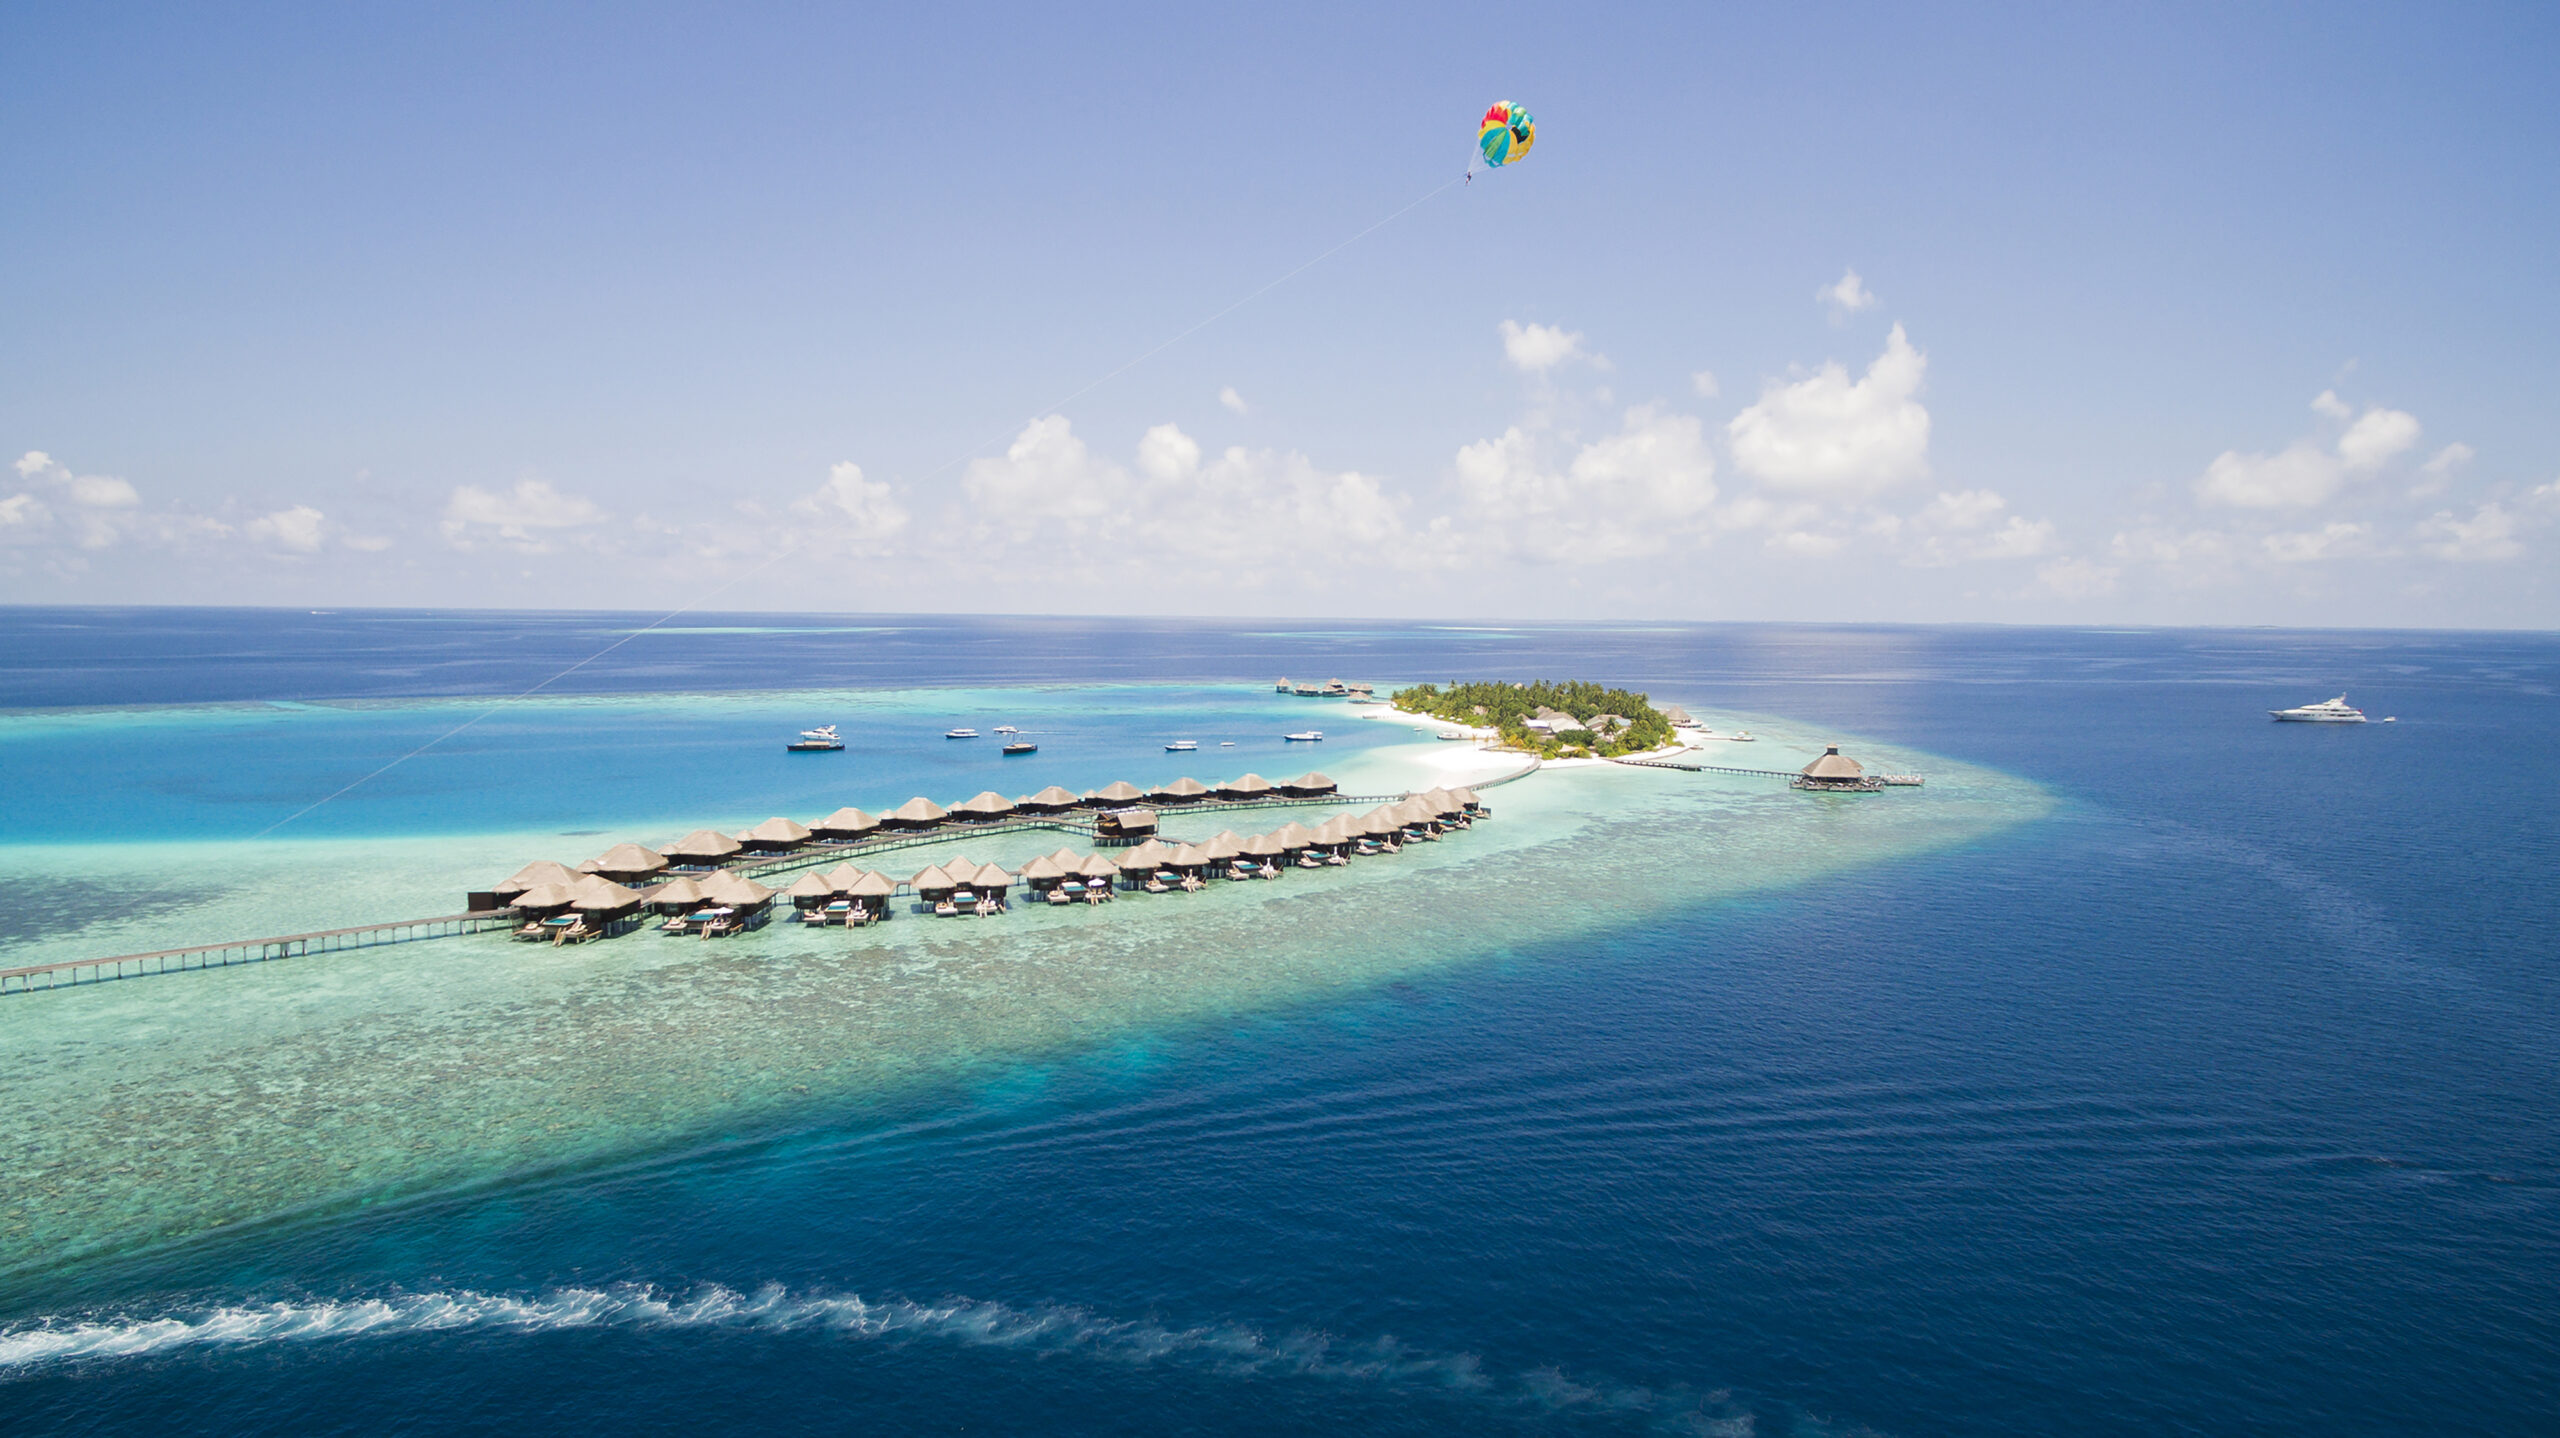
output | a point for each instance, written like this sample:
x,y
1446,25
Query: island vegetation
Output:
x,y
1609,722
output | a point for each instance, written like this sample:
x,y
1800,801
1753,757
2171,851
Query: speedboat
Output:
x,y
1007,729
959,733
1182,746
1022,746
2330,711
1305,736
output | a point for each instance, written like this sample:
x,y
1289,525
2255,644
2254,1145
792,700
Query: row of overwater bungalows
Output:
x,y
567,905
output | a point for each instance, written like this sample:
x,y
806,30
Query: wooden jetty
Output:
x,y
246,951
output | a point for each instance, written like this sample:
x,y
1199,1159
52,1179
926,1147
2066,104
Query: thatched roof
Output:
x,y
1185,787
842,877
1043,867
987,802
1465,797
724,886
1154,851
1311,782
1065,859
1441,801
990,876
1226,845
1052,797
703,844
1188,857
686,890
1131,820
1249,784
1415,811
1118,791
1263,846
933,876
1294,835
810,886
553,895
918,810
871,885
776,831
847,820
536,874
1340,829
1676,714
1097,866
628,859
1834,765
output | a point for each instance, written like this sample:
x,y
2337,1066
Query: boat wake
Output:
x,y
1231,1349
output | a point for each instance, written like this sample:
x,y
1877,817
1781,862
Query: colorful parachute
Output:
x,y
1506,134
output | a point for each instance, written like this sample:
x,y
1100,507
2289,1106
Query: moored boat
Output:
x,y
1022,746
1305,736
959,733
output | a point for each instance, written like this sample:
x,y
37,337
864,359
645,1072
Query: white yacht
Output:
x,y
1182,746
1007,729
959,733
2333,711
1308,736
823,731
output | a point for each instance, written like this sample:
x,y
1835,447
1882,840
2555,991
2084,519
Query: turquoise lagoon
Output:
x,y
145,1111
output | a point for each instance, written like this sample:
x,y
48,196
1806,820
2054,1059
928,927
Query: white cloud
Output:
x,y
2307,472
1952,528
1827,435
1634,492
1962,510
1243,518
1704,382
515,516
1046,477
1167,455
1535,349
2437,474
1845,296
22,511
2337,540
1227,396
1804,544
2169,548
869,508
2377,438
2076,578
98,501
2302,475
301,529
2489,534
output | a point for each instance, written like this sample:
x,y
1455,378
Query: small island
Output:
x,y
1571,720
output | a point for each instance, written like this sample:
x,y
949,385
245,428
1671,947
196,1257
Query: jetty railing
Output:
x,y
69,972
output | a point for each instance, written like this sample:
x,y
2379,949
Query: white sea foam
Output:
x,y
1231,1349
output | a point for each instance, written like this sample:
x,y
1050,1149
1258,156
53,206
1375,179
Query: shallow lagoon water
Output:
x,y
178,1103
2208,1091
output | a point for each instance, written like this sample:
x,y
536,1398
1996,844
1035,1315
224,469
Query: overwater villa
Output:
x,y
1837,771
775,836
844,825
702,849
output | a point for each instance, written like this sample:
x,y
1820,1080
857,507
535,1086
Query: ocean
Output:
x,y
2153,1069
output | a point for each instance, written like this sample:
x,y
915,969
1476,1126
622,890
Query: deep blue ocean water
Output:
x,y
2220,1101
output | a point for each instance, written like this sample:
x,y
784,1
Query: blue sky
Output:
x,y
2217,314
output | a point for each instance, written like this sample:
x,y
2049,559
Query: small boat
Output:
x,y
1182,746
1230,743
1305,736
816,741
1007,729
959,733
1022,746
2328,711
